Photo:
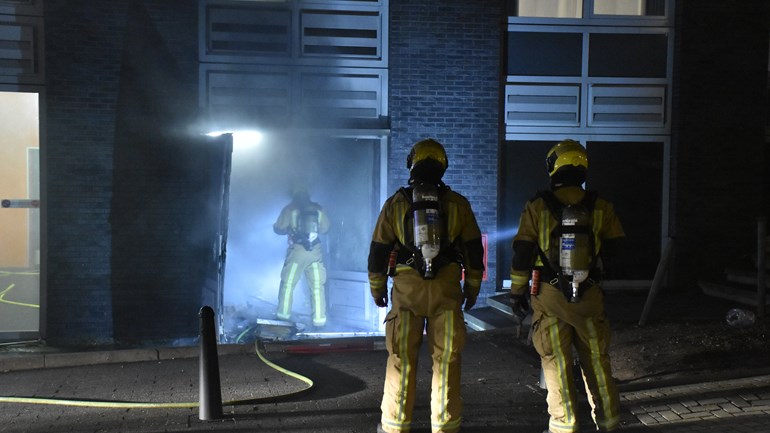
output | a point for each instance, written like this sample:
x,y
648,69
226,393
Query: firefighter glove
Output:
x,y
381,301
470,301
520,306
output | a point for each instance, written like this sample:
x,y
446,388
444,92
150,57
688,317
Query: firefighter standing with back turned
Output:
x,y
425,236
302,220
567,234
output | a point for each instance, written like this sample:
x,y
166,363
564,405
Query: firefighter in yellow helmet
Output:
x,y
425,237
566,234
302,220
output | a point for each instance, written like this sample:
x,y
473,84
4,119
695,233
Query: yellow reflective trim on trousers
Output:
x,y
403,351
555,427
601,376
562,372
319,317
287,292
396,425
444,370
451,425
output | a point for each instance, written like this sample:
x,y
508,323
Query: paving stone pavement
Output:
x,y
734,405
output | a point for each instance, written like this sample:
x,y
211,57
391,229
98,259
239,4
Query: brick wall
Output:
x,y
91,48
158,209
718,152
83,46
445,83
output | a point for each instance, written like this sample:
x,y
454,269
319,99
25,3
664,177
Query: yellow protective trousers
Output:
x,y
558,326
300,261
446,339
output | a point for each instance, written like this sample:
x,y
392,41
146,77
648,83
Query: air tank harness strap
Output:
x,y
563,282
413,259
297,238
565,285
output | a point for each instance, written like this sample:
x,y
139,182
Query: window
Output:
x,y
628,55
545,53
587,9
19,215
639,8
548,8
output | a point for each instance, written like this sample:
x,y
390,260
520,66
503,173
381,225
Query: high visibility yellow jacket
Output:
x,y
535,230
461,235
288,221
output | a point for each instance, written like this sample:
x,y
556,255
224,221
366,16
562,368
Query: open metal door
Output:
x,y
213,289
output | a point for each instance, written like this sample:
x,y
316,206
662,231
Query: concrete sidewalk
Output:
x,y
500,390
37,356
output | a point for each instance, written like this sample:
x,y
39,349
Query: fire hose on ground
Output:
x,y
209,404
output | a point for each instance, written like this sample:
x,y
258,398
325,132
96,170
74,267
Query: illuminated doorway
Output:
x,y
345,175
19,215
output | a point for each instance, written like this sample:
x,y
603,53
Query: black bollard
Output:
x,y
210,390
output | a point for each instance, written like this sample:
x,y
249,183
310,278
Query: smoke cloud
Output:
x,y
342,175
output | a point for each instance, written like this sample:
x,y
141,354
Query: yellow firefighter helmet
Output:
x,y
427,149
566,153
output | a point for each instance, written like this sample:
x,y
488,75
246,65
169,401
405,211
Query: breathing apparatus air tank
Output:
x,y
427,224
308,227
575,246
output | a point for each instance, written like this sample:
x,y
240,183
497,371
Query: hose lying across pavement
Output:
x,y
152,405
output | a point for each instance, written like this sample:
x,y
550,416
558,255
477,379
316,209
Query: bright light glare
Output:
x,y
244,139
241,139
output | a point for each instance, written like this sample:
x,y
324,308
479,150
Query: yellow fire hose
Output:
x,y
152,405
21,304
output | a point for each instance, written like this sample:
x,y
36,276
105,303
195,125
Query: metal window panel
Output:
x,y
638,115
627,106
346,33
542,105
342,96
247,31
22,7
277,96
237,97
631,55
544,53
21,50
341,33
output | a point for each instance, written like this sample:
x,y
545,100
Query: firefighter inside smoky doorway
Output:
x,y
340,174
302,221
